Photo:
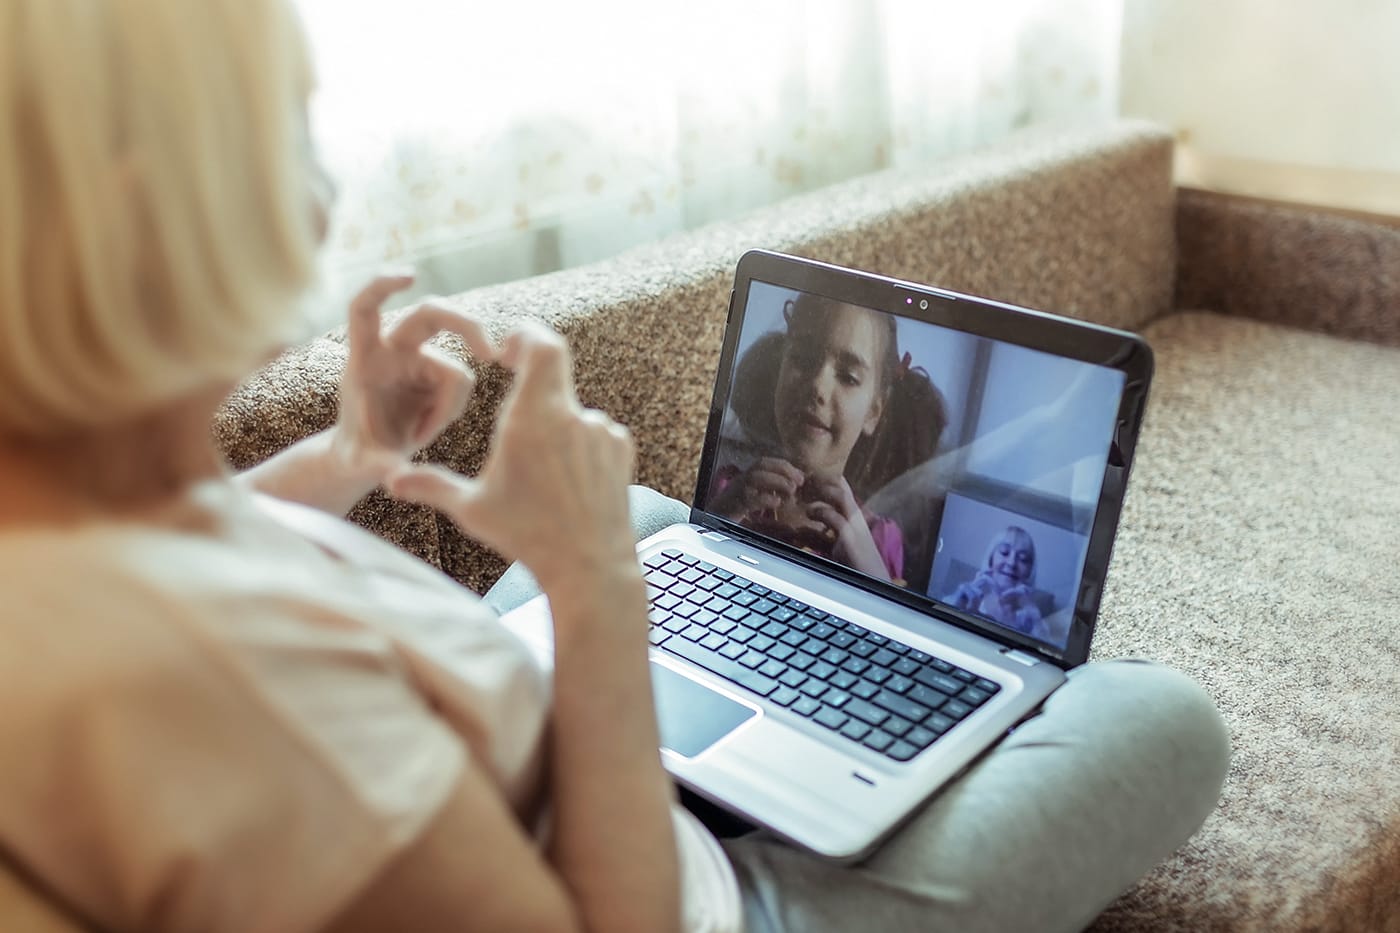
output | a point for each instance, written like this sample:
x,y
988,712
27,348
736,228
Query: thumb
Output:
x,y
436,487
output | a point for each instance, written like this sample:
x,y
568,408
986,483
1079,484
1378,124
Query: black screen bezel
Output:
x,y
1037,330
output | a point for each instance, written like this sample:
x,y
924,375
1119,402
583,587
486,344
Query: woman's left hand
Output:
x,y
398,394
834,506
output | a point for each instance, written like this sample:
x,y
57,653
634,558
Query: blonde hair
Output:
x,y
157,224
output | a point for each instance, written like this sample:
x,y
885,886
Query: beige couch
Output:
x,y
1257,549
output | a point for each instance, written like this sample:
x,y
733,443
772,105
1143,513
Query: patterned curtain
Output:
x,y
481,142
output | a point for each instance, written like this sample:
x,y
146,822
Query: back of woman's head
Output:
x,y
157,223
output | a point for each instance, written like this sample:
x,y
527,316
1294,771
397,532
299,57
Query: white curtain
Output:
x,y
481,142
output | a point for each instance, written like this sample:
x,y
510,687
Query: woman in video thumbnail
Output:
x,y
834,412
1002,589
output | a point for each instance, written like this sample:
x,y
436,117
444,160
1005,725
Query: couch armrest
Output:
x,y
1303,266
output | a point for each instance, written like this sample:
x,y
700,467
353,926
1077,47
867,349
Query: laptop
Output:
x,y
904,512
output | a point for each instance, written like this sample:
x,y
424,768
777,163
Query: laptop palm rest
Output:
x,y
692,717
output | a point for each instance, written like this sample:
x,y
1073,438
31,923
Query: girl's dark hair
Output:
x,y
914,415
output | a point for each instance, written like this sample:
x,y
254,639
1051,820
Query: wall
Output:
x,y
1298,100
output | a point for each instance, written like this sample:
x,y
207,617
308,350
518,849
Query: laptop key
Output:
x,y
901,751
784,696
733,651
793,678
955,709
877,675
878,740
863,689
964,676
752,658
657,635
973,697
899,684
719,664
926,696
806,706
856,665
862,649
775,669
855,730
781,614
822,630
866,712
761,642
884,657
802,661
814,687
896,726
899,705
939,681
676,624
821,670
986,685
836,698
831,718
695,632
843,680
919,737
714,641
937,722
905,666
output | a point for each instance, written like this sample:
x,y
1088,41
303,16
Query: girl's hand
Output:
x,y
398,394
766,485
834,507
553,491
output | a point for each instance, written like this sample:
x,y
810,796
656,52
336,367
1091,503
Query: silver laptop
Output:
x,y
904,512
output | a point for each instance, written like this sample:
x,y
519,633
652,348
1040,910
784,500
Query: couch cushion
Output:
x,y
1260,553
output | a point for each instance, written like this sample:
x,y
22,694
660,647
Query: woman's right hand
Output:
x,y
553,491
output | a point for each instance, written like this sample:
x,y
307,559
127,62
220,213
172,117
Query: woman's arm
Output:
x,y
553,494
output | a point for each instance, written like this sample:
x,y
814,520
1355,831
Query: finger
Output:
x,y
455,383
364,309
542,364
783,467
433,486
769,481
430,319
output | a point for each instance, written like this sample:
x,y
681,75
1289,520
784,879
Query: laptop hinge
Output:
x,y
1020,656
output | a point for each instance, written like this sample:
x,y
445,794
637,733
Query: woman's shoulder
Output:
x,y
174,708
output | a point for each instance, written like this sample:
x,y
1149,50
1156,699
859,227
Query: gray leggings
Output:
x,y
1122,765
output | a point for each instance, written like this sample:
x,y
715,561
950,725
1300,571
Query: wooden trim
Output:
x,y
1363,195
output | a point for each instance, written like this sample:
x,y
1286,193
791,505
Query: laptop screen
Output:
x,y
963,469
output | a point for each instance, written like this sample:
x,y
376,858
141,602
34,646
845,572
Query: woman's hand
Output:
x,y
553,491
834,507
398,393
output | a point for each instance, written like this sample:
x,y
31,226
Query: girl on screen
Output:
x,y
829,411
1002,589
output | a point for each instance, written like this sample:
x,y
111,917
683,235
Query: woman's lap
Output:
x,y
1120,768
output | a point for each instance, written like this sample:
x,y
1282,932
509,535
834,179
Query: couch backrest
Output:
x,y
1076,221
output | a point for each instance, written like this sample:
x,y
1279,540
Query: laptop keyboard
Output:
x,y
869,689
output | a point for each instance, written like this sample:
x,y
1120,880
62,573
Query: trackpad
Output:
x,y
692,716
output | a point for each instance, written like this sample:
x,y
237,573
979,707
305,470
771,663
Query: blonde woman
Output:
x,y
225,709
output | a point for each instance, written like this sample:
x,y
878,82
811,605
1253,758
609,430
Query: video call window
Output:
x,y
963,468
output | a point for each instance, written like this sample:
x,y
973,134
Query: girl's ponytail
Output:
x,y
910,429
